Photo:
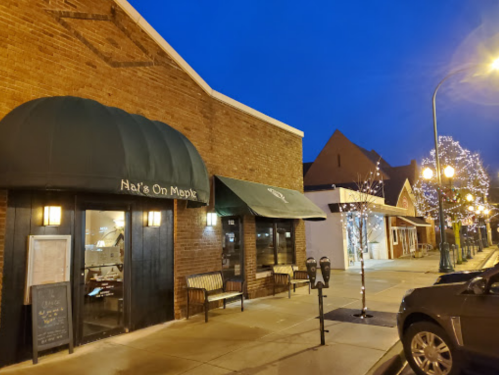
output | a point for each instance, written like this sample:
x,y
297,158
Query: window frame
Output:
x,y
274,224
395,236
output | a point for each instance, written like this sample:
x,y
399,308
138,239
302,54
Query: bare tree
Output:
x,y
356,214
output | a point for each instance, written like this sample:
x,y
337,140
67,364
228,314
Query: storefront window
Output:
x,y
274,243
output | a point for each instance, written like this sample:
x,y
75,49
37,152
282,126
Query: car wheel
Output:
x,y
429,350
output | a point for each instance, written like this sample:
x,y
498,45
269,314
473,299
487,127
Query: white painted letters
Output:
x,y
171,192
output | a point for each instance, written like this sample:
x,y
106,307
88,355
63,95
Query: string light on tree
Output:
x,y
464,191
360,222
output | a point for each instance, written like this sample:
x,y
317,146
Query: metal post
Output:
x,y
480,244
325,265
453,247
468,248
321,315
445,264
463,246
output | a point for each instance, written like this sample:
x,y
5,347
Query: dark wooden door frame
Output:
x,y
241,239
104,203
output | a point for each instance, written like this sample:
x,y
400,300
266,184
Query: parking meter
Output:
x,y
325,264
311,264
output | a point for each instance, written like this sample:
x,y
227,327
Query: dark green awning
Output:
x,y
236,197
69,143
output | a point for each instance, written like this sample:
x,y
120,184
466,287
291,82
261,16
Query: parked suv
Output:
x,y
452,326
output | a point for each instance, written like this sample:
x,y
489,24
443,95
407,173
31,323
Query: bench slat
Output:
x,y
217,297
209,281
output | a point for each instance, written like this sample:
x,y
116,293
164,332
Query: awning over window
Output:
x,y
237,197
416,221
69,143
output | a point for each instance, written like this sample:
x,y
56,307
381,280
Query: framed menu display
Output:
x,y
49,261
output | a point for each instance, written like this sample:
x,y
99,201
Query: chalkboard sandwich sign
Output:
x,y
51,317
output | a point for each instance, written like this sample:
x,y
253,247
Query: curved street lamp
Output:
x,y
445,262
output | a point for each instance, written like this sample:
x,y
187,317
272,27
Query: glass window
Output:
x,y
395,237
274,243
265,258
285,248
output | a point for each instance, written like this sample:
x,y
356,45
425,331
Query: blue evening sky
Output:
x,y
365,67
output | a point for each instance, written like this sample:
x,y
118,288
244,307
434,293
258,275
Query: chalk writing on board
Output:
x,y
51,313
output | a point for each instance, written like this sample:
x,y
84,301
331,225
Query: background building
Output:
x,y
330,182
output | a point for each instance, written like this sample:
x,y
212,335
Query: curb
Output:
x,y
392,362
486,260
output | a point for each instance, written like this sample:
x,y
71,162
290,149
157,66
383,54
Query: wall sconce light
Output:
x,y
52,216
154,219
211,219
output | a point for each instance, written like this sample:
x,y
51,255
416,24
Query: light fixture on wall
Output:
x,y
154,219
52,216
211,219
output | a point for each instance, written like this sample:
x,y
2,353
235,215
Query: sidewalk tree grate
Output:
x,y
379,318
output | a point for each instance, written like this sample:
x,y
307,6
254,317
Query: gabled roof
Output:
x,y
330,168
409,172
153,34
375,157
393,188
306,167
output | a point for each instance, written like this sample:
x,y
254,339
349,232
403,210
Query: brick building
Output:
x,y
101,56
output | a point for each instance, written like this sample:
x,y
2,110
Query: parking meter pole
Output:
x,y
321,315
325,266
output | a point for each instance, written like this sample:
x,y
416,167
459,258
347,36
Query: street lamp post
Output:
x,y
445,263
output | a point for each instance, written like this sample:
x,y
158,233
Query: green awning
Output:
x,y
236,197
70,143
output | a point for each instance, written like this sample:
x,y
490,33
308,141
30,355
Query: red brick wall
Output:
x,y
3,214
264,286
85,48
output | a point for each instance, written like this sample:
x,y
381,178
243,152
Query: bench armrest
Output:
x,y
300,275
234,286
282,278
197,295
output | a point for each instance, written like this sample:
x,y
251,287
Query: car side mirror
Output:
x,y
478,286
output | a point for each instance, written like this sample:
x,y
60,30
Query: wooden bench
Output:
x,y
204,288
284,274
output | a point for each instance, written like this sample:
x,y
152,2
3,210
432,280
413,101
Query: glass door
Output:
x,y
102,311
232,249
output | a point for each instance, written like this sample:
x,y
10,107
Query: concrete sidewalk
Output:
x,y
275,335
